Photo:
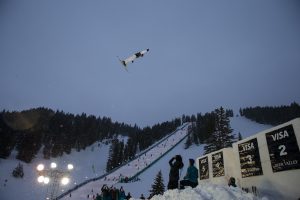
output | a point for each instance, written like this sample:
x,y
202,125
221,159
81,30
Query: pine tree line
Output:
x,y
272,115
212,129
55,132
116,155
222,135
58,133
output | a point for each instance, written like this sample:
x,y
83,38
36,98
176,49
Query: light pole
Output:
x,y
54,177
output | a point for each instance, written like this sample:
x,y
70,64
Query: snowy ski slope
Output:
x,y
95,157
136,166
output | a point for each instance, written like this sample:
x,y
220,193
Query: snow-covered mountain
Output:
x,y
91,163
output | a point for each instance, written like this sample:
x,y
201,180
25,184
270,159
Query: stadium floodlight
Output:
x,y
65,180
41,179
46,180
53,165
54,176
70,167
40,167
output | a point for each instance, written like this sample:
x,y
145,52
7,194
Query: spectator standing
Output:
x,y
122,194
174,171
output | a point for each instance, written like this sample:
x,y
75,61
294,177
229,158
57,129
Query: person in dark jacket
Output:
x,y
128,196
122,194
98,197
105,192
191,177
174,171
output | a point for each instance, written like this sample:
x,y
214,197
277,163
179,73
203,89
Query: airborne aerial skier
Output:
x,y
131,58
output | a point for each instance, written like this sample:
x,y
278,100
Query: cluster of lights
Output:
x,y
44,174
43,179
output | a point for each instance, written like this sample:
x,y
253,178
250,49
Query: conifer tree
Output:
x,y
120,155
194,135
240,137
222,136
188,142
158,186
7,139
18,171
109,164
116,155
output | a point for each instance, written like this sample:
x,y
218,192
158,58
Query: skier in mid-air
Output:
x,y
131,58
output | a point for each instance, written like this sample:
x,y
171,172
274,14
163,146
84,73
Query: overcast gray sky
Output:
x,y
203,55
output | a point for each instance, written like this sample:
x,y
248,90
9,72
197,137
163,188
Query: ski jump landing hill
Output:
x,y
266,164
135,167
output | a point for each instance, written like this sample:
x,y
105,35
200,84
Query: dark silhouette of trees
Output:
x,y
18,171
240,136
188,142
57,132
28,145
158,186
205,125
272,115
116,155
7,138
222,135
148,135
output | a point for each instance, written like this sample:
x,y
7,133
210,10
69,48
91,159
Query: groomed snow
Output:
x,y
91,163
206,191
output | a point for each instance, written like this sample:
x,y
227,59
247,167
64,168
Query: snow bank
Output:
x,y
207,191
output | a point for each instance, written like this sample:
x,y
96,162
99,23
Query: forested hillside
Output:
x,y
57,132
272,115
205,125
212,129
